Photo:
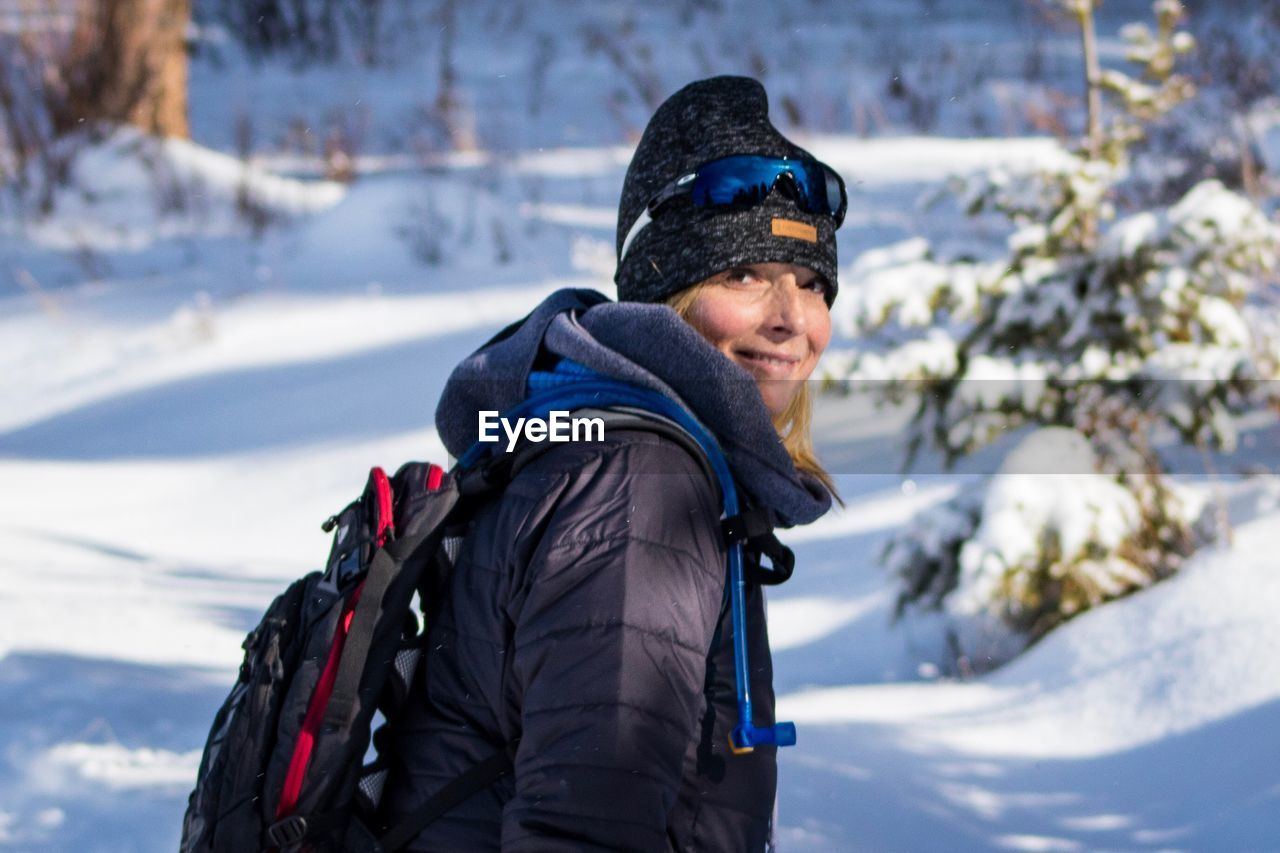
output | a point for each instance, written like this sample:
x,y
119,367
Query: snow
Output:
x,y
118,181
186,396
1141,724
1081,693
257,331
117,768
1046,484
923,159
1128,235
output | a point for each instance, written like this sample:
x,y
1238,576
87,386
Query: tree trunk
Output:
x,y
129,64
163,110
1092,79
1093,94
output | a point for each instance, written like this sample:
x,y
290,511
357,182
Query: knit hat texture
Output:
x,y
683,245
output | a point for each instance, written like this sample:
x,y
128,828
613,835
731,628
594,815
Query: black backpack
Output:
x,y
284,766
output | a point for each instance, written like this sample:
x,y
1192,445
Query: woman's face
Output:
x,y
771,319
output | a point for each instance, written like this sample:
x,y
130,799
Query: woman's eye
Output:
x,y
818,284
741,276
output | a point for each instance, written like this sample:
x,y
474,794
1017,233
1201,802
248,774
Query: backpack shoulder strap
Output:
x,y
494,473
631,417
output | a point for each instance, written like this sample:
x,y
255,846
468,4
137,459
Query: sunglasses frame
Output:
x,y
686,185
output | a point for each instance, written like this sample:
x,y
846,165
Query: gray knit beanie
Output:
x,y
683,245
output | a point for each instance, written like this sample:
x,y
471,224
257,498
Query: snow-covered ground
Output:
x,y
184,401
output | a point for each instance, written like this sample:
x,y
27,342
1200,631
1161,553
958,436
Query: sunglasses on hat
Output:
x,y
746,180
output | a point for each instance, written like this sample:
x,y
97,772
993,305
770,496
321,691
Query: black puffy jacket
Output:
x,y
587,616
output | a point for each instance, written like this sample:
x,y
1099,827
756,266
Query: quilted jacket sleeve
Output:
x,y
621,591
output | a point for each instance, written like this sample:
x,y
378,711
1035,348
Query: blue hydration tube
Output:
x,y
603,391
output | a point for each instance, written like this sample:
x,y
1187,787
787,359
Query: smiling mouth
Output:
x,y
771,365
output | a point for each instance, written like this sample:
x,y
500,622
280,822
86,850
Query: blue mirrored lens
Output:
x,y
825,190
836,198
736,180
748,179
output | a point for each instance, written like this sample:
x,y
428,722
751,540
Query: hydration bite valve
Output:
x,y
745,737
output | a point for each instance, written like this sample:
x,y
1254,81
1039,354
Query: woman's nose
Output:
x,y
788,307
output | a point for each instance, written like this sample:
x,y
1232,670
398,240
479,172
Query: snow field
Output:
x,y
176,422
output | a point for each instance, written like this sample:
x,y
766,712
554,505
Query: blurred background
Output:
x,y
244,242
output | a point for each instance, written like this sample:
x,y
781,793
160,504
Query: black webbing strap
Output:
x,y
781,559
475,779
753,528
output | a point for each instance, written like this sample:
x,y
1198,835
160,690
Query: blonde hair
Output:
x,y
793,423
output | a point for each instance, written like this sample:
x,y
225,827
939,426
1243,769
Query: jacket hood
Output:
x,y
650,346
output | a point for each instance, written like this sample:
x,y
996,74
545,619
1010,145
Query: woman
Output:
x,y
584,619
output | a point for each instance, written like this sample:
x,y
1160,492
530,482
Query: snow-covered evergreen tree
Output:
x,y
1104,324
1033,549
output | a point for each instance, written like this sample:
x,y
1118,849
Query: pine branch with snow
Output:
x,y
1032,553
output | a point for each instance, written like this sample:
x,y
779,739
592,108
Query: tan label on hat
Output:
x,y
798,230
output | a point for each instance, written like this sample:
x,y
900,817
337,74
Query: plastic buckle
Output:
x,y
287,832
